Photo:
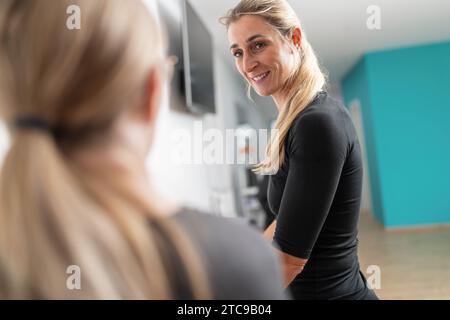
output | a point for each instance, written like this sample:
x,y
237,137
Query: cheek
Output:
x,y
287,63
277,65
274,60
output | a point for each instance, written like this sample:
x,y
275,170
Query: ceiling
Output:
x,y
337,29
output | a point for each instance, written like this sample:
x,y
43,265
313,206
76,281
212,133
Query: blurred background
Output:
x,y
389,62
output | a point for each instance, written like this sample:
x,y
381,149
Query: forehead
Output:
x,y
247,26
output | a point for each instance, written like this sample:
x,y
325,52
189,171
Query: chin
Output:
x,y
263,93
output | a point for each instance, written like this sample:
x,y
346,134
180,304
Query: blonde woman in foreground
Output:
x,y
315,191
81,107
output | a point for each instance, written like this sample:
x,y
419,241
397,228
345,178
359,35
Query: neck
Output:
x,y
115,151
280,99
125,160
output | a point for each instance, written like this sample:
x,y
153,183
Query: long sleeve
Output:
x,y
316,154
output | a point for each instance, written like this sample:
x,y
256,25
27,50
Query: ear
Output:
x,y
154,93
297,37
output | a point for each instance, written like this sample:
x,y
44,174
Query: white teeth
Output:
x,y
260,77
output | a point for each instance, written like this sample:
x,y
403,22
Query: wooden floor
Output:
x,y
414,264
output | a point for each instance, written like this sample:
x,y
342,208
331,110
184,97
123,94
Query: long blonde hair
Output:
x,y
55,212
302,84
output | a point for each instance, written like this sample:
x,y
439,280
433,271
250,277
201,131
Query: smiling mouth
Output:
x,y
260,77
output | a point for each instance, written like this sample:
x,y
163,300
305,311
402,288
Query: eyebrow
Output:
x,y
248,40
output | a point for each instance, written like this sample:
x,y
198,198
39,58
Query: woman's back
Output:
x,y
240,264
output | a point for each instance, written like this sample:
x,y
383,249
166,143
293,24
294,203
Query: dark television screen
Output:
x,y
171,17
198,63
192,88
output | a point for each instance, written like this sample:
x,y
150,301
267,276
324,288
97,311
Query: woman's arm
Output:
x,y
291,265
270,231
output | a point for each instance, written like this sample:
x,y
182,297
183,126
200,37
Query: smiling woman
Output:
x,y
316,191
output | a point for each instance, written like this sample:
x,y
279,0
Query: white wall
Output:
x,y
4,141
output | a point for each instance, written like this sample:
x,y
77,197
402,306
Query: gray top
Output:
x,y
240,263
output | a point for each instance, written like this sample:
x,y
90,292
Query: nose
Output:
x,y
249,63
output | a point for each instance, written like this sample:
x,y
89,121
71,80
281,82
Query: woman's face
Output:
x,y
261,55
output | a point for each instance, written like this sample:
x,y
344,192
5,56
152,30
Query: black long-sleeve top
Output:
x,y
316,196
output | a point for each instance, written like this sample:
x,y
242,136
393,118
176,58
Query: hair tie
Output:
x,y
31,122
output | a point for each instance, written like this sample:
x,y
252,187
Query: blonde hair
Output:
x,y
55,212
302,85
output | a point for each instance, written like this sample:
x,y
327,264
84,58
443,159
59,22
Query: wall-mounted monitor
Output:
x,y
192,88
198,62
